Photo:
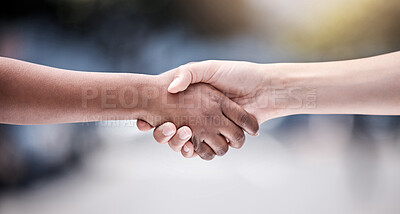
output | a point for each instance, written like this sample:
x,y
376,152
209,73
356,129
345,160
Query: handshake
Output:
x,y
200,108
208,106
203,108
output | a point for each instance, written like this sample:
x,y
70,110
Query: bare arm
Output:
x,y
363,86
36,94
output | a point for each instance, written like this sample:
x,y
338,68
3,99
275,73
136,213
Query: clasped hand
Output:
x,y
218,119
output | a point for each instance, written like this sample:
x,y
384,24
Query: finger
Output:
x,y
164,132
189,74
205,151
240,117
180,138
188,150
218,144
233,133
143,125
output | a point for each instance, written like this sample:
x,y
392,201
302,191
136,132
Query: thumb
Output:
x,y
191,73
182,80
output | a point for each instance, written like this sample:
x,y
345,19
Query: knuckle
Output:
x,y
187,69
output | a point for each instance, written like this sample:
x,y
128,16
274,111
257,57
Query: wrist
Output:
x,y
123,96
290,89
154,99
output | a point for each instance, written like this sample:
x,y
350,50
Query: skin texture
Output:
x,y
211,116
242,90
363,86
36,94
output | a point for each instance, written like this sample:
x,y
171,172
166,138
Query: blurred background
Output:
x,y
299,164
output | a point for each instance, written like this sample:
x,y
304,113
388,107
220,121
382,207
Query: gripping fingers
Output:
x,y
218,144
205,151
234,134
164,132
240,117
188,150
180,138
143,126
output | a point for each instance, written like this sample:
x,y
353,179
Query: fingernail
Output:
x,y
183,135
174,82
167,131
185,149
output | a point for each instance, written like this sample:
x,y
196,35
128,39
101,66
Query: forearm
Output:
x,y
35,94
363,86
